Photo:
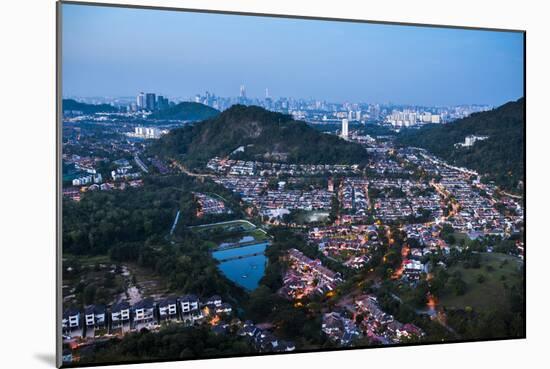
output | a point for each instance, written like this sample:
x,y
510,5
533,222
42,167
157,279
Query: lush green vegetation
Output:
x,y
186,111
132,226
91,280
485,281
477,294
500,157
264,134
103,220
174,342
70,104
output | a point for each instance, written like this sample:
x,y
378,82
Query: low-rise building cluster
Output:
x,y
307,276
427,237
399,199
263,340
363,318
209,205
353,196
474,212
350,245
148,313
474,204
75,193
270,169
254,190
340,329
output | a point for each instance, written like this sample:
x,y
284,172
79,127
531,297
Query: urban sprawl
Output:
x,y
401,189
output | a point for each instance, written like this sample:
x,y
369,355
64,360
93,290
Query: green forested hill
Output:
x,y
499,158
70,104
186,111
266,136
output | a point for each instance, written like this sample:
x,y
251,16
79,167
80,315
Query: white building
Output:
x,y
470,141
168,308
140,101
436,119
427,117
71,319
94,316
120,314
147,132
81,181
144,311
345,128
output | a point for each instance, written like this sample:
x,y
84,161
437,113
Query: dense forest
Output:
x,y
73,105
186,111
104,219
265,135
171,343
133,226
500,157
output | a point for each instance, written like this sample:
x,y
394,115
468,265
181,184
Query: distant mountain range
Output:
x,y
186,111
264,136
499,157
73,105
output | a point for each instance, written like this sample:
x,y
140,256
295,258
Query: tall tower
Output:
x,y
150,101
140,101
345,128
242,92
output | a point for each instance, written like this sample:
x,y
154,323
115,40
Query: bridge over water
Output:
x,y
229,258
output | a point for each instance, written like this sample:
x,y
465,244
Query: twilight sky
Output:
x,y
120,52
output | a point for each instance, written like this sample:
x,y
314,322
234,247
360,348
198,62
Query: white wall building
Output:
x,y
345,128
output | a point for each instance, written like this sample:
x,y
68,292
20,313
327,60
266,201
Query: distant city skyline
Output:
x,y
119,52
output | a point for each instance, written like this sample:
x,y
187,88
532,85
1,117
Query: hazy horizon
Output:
x,y
118,52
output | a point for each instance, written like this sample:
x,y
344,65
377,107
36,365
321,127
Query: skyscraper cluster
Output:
x,y
150,102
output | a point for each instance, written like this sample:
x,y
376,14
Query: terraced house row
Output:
x,y
148,313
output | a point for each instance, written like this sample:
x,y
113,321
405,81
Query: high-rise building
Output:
x,y
140,101
147,132
242,92
427,117
150,101
345,128
162,102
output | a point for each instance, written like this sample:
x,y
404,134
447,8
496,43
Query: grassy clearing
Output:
x,y
230,232
229,226
259,235
496,270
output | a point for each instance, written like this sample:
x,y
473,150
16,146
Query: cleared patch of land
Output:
x,y
148,282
